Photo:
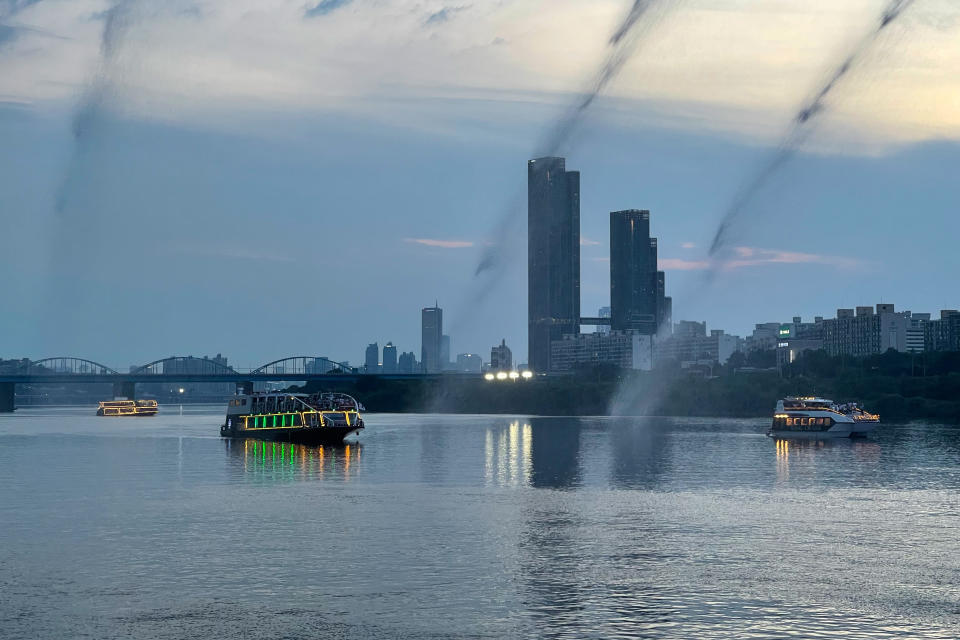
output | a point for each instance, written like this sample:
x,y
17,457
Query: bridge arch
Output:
x,y
68,364
306,365
184,364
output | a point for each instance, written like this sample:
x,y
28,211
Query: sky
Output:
x,y
279,178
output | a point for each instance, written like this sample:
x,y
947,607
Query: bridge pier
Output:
x,y
125,389
245,387
7,399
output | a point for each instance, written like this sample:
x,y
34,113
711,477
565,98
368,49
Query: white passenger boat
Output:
x,y
864,421
810,418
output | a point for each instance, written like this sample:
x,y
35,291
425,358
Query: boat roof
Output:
x,y
807,399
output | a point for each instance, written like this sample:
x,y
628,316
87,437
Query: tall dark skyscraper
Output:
x,y
637,290
553,256
431,332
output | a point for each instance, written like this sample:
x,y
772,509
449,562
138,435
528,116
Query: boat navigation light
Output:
x,y
502,375
489,376
527,375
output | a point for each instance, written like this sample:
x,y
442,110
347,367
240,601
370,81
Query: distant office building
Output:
x,y
389,358
789,349
445,353
865,331
765,337
638,299
690,344
318,365
191,365
916,332
604,313
431,341
372,358
407,363
943,334
501,358
553,256
469,363
626,349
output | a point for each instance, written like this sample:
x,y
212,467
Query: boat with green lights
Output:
x,y
320,418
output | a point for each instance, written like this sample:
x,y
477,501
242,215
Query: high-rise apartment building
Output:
x,y
407,363
431,338
445,352
389,358
553,256
638,300
372,358
501,358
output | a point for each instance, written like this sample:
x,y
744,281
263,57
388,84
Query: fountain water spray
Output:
x,y
801,127
620,49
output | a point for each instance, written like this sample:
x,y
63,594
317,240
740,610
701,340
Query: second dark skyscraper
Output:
x,y
637,301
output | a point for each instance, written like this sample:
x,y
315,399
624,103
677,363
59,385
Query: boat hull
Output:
x,y
863,428
308,435
844,432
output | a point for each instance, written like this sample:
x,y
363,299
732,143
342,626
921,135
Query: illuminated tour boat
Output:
x,y
864,421
127,408
810,418
321,418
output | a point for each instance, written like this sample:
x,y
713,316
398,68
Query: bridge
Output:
x,y
182,369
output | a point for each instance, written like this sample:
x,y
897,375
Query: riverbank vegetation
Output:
x,y
897,386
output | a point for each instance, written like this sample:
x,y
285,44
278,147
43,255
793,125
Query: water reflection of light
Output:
x,y
287,461
507,455
783,460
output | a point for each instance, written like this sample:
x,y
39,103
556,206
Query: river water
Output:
x,y
435,526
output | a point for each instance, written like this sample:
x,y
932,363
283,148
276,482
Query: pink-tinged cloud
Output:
x,y
444,244
587,242
678,264
745,257
688,245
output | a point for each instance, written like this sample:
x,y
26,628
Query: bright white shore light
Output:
x,y
527,375
514,375
502,375
489,376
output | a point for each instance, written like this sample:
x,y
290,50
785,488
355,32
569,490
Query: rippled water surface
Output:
x,y
475,527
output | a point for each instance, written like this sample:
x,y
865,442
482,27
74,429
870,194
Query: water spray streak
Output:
x,y
801,127
97,95
621,48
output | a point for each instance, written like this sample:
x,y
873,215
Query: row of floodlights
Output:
x,y
508,375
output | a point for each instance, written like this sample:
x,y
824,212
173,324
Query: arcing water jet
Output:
x,y
621,48
801,127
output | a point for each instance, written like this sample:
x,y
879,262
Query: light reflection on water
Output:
x,y
474,526
284,461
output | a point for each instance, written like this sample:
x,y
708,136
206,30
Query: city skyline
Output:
x,y
166,188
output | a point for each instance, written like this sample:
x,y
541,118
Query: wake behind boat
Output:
x,y
321,418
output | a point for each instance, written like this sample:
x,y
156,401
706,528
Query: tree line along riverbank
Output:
x,y
895,385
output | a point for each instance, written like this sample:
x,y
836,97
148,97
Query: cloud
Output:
x,y
688,245
445,244
587,242
753,257
324,7
443,15
747,257
678,264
